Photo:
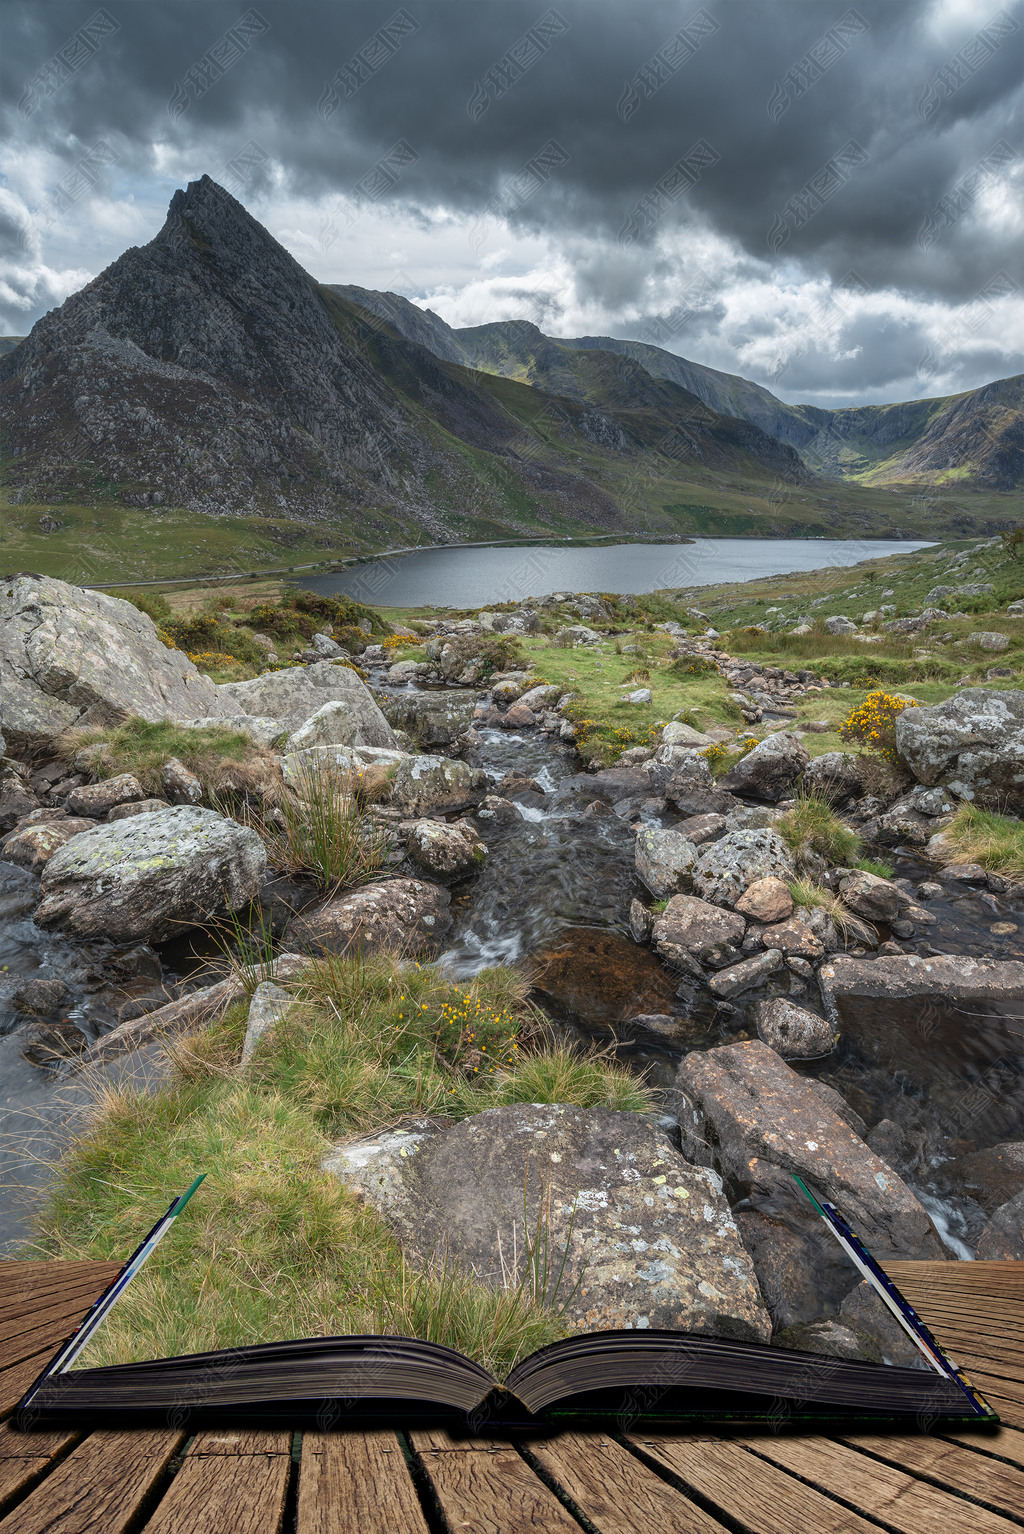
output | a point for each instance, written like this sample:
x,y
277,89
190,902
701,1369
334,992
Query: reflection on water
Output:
x,y
460,577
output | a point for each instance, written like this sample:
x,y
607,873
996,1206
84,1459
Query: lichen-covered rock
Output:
x,y
406,916
577,634
640,921
429,785
675,733
447,852
769,770
74,657
664,861
315,761
973,744
432,718
726,869
16,801
689,926
96,799
742,1102
747,974
652,1242
795,938
297,694
792,1031
31,847
835,776
138,807
151,876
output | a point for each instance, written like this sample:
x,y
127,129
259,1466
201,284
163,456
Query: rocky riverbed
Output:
x,y
868,1039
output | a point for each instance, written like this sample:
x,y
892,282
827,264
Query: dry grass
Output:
x,y
224,760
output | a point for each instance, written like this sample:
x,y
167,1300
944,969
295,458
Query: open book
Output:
x,y
626,1377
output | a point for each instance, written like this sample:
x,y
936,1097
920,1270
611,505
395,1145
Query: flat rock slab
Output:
x,y
652,1241
74,657
743,1103
151,876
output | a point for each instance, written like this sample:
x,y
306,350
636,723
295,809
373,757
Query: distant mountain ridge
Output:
x,y
207,371
979,432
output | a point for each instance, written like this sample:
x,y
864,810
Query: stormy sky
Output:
x,y
823,198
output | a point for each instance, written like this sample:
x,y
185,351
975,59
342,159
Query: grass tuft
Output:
x,y
813,826
983,836
222,758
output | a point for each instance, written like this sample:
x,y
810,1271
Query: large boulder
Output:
x,y
769,770
742,1102
294,695
151,876
397,915
335,724
973,744
432,718
726,869
652,1241
315,761
74,657
1002,1240
664,860
436,785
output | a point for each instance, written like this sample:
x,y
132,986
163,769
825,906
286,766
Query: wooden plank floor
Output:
x,y
247,1482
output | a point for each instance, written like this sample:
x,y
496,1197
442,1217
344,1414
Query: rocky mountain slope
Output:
x,y
977,436
208,370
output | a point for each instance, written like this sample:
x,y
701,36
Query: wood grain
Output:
x,y
490,1491
356,1483
883,1491
960,1469
615,1490
224,1494
759,1497
99,1489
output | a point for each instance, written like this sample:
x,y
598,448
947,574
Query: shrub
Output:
x,y
153,604
208,642
873,724
694,665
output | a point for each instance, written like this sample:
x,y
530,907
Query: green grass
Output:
x,y
874,866
215,753
994,841
320,828
274,1248
813,826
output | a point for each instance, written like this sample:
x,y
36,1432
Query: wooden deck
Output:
x,y
162,1482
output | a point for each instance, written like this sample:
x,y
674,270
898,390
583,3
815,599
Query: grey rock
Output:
x,y
990,639
747,974
31,847
867,1315
179,784
664,861
689,926
839,625
727,868
143,807
151,876
294,695
699,829
407,916
269,1004
640,921
869,896
95,799
652,1242
314,761
835,775
436,785
769,770
577,634
74,657
973,744
792,1031
432,718
675,733
1002,1240
991,1176
447,852
743,1102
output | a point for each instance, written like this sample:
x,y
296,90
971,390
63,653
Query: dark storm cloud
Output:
x,y
838,172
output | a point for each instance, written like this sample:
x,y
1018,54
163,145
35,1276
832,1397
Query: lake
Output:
x,y
467,577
